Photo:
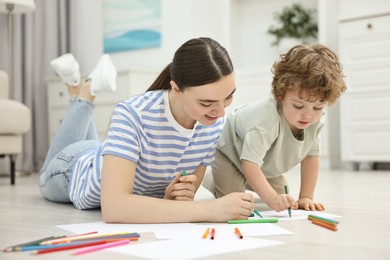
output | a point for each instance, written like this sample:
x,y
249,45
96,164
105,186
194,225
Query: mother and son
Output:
x,y
160,143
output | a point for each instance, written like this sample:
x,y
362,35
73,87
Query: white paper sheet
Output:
x,y
102,227
191,248
179,230
295,214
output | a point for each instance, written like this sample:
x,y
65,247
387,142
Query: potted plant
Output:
x,y
294,22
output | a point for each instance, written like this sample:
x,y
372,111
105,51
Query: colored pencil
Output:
x,y
289,209
40,247
206,233
109,239
250,221
238,233
83,237
31,243
100,247
257,213
324,225
212,234
69,246
323,219
53,241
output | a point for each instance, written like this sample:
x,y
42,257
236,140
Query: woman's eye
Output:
x,y
206,104
318,108
298,107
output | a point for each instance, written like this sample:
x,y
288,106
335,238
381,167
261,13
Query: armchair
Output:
x,y
15,120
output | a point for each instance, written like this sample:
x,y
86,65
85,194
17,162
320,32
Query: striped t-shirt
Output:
x,y
144,131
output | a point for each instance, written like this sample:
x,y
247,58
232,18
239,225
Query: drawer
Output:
x,y
101,116
366,144
366,109
58,95
365,27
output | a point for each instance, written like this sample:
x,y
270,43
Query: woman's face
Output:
x,y
299,112
206,103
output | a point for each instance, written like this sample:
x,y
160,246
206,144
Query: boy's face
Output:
x,y
299,112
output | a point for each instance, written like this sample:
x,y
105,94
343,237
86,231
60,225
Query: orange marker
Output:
x,y
324,225
212,233
206,233
238,233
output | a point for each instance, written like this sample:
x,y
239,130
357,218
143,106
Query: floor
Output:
x,y
362,198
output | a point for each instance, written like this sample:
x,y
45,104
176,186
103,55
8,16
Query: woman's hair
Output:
x,y
316,70
197,62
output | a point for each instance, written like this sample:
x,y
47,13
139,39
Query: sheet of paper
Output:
x,y
102,227
222,230
295,214
179,230
191,248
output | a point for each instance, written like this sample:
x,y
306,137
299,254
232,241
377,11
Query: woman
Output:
x,y
158,145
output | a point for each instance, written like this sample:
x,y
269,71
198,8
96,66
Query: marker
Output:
x,y
250,221
183,173
206,233
257,213
289,209
310,217
324,225
238,233
212,233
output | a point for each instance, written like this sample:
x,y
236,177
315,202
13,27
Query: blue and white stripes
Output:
x,y
143,130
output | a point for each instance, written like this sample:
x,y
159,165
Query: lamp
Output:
x,y
14,7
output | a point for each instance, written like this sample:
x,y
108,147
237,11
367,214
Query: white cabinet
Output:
x,y
129,83
364,46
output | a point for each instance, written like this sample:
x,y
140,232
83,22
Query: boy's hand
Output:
x,y
308,204
181,188
281,202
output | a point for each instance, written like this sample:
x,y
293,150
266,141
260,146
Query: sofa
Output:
x,y
15,121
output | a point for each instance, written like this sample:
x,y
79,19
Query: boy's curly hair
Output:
x,y
316,70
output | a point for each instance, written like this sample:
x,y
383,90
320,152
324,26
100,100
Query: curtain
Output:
x,y
39,37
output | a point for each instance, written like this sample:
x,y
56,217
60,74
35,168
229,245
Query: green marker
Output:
x,y
289,209
250,221
257,213
183,173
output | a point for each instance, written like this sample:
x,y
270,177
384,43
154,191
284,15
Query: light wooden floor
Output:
x,y
362,198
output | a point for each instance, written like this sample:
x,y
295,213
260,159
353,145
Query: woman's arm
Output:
x,y
119,205
256,179
309,175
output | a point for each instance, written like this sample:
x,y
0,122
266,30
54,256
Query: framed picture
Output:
x,y
131,24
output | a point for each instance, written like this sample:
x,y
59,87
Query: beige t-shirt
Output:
x,y
258,132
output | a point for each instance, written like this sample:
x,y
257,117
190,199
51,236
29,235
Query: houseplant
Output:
x,y
294,22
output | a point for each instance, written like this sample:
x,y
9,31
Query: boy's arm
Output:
x,y
258,182
309,175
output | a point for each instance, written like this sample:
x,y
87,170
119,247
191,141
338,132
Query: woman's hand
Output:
x,y
280,202
308,204
236,205
181,188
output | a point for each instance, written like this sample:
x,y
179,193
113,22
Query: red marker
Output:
x,y
212,233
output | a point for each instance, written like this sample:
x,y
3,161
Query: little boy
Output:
x,y
263,140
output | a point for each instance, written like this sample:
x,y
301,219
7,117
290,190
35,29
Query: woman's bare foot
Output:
x,y
85,92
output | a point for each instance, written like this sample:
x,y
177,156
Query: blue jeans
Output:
x,y
76,135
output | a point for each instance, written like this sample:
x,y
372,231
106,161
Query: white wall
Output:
x,y
181,20
239,25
